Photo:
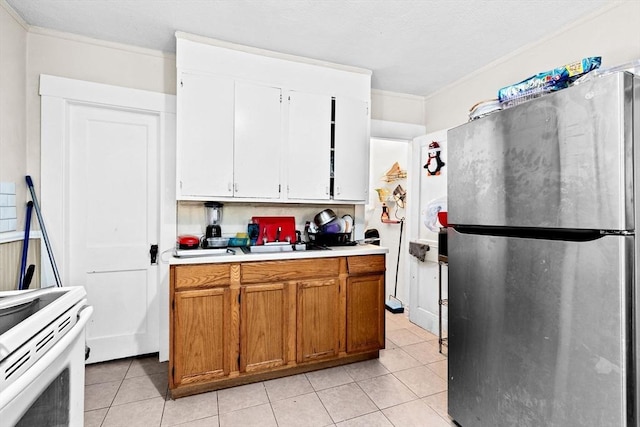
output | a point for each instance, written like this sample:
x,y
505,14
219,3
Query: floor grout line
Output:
x,y
399,326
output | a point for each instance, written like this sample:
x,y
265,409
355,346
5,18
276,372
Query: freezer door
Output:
x,y
539,331
561,161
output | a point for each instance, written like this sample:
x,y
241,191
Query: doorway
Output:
x,y
384,154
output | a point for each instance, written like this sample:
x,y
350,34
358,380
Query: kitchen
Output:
x,y
57,54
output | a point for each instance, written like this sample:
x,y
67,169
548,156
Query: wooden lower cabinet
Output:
x,y
201,335
318,317
264,326
365,313
237,323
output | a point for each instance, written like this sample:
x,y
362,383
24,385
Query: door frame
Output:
x,y
57,93
382,129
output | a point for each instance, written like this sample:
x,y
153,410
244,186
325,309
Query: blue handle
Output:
x,y
25,245
29,181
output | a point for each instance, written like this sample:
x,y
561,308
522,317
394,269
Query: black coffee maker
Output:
x,y
213,217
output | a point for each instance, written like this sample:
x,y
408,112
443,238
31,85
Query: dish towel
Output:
x,y
418,250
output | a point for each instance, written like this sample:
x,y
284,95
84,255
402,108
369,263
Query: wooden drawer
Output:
x,y
275,271
201,275
365,264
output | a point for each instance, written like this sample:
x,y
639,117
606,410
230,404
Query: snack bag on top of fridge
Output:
x,y
548,81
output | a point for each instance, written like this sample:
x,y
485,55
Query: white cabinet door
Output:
x,y
309,146
257,153
205,135
351,161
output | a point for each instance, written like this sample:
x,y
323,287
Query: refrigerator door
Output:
x,y
538,331
561,161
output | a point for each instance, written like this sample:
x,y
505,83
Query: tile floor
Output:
x,y
406,387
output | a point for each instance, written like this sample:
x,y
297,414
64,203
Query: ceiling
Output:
x,y
412,46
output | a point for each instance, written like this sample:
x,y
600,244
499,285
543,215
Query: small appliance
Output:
x,y
213,218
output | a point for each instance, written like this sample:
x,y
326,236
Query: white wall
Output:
x,y
613,33
397,107
65,55
383,154
13,121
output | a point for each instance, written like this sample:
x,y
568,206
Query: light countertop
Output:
x,y
239,256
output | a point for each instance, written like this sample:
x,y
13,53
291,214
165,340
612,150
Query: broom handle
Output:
x,y
395,290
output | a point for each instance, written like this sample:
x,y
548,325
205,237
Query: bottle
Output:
x,y
253,230
385,213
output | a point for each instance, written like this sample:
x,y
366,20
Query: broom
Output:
x,y
393,304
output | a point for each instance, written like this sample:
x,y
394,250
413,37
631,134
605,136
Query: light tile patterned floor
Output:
x,y
406,386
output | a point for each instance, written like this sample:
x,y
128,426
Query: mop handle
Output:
x,y
56,274
25,245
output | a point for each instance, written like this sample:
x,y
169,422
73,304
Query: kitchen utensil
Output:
x,y
216,242
324,217
238,241
348,223
188,242
213,218
43,230
332,227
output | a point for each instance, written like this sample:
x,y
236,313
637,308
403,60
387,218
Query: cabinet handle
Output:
x,y
337,190
229,187
235,187
326,190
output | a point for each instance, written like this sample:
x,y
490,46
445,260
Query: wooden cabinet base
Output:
x,y
238,323
283,371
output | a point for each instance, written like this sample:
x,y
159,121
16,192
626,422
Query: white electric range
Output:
x,y
42,354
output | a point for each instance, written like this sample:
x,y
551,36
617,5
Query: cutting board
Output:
x,y
268,226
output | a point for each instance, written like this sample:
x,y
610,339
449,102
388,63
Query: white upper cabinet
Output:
x,y
205,135
308,146
351,152
258,126
258,141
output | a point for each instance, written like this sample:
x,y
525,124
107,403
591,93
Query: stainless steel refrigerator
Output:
x,y
543,260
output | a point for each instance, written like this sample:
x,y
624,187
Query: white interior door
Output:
x,y
423,281
112,220
108,168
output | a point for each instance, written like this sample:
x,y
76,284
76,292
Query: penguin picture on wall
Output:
x,y
434,162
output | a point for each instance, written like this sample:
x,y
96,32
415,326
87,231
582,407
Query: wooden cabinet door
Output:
x,y
201,335
204,135
257,149
351,155
365,313
318,319
309,146
264,313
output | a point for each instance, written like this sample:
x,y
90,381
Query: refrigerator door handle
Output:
x,y
571,235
